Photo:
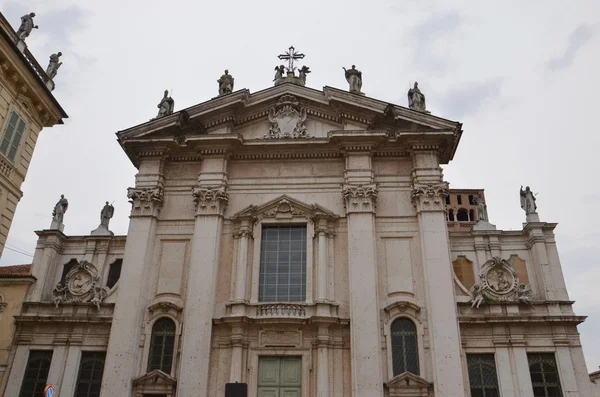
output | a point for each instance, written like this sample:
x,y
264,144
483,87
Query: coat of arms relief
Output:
x,y
81,284
287,119
500,283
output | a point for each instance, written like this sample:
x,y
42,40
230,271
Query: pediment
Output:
x,y
409,382
285,207
155,377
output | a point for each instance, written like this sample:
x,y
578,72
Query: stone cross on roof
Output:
x,y
291,56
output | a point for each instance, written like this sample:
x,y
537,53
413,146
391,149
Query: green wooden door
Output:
x,y
279,377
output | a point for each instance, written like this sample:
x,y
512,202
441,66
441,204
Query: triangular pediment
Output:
x,y
409,384
285,207
155,377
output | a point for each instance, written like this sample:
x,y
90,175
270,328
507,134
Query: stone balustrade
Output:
x,y
281,310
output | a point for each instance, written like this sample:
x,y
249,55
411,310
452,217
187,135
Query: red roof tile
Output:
x,y
15,271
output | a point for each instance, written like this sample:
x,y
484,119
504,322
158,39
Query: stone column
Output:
x,y
123,353
238,342
505,376
523,375
365,350
210,200
565,369
242,262
428,195
322,345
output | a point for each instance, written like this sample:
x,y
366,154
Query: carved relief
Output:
x,y
360,198
287,119
145,201
82,284
499,283
285,207
210,200
280,338
429,197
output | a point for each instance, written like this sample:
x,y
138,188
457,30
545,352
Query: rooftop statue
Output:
x,y
416,99
60,208
528,201
225,83
278,73
354,78
166,105
290,77
53,65
26,26
481,209
302,75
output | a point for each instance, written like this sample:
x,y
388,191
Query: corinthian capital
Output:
x,y
145,201
430,197
210,200
360,198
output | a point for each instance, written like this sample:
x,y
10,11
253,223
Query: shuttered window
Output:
x,y
482,375
12,136
405,354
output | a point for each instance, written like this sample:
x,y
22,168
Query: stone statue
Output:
x,y
279,72
26,26
59,209
166,105
99,295
477,295
53,65
354,78
416,99
59,293
225,83
481,209
528,201
525,294
302,74
106,213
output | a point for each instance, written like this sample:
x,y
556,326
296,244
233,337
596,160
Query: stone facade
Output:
x,y
23,93
364,189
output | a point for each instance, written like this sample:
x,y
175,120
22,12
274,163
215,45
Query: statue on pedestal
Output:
x,y
105,215
528,201
481,209
416,99
53,65
354,79
225,83
60,208
279,72
26,26
305,70
166,105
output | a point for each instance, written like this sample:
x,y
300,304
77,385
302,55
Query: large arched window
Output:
x,y
162,345
405,354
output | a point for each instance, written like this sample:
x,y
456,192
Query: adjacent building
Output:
x,y
26,107
299,242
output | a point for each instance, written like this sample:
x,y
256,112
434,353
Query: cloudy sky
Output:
x,y
519,75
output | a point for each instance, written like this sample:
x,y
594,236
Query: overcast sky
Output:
x,y
519,75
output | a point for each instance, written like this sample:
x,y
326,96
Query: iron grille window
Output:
x,y
544,375
482,375
162,345
89,379
114,273
36,373
405,356
283,264
12,136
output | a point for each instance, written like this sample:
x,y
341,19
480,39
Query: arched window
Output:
x,y
162,345
462,215
405,355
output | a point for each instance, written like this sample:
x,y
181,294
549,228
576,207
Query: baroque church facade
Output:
x,y
298,242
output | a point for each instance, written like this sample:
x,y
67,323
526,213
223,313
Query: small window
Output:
x,y
89,380
482,375
114,272
12,136
66,269
405,355
472,200
282,264
544,375
448,199
459,199
36,373
471,215
462,215
451,215
162,345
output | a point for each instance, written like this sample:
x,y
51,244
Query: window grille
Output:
x,y
114,272
89,379
283,264
162,345
544,375
36,373
12,136
405,354
482,375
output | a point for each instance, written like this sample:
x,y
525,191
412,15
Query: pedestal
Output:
x,y
56,225
102,231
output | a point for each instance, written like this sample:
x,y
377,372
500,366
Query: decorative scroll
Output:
x,y
210,200
287,119
82,284
360,198
500,283
145,201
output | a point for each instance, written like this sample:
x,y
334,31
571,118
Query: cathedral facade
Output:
x,y
298,242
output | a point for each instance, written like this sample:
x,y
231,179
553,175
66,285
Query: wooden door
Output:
x,y
280,377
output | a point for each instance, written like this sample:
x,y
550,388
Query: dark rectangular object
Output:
x,y
236,390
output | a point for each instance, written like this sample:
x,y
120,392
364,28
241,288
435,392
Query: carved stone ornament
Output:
x,y
82,284
287,119
210,200
145,201
499,283
430,196
360,198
